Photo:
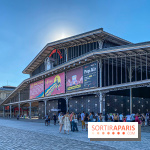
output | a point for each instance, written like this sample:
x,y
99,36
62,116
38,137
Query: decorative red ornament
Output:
x,y
58,51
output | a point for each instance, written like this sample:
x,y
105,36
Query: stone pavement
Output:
x,y
35,135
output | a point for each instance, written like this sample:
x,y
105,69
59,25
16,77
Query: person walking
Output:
x,y
55,118
86,119
49,119
128,118
75,123
132,117
99,118
82,120
66,119
46,120
71,120
60,118
121,117
116,118
106,117
79,116
91,117
146,119
143,119
137,119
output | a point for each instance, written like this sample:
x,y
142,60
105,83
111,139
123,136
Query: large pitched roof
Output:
x,y
70,41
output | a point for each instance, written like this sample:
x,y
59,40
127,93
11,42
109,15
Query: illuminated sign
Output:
x,y
56,51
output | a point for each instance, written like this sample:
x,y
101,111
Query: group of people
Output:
x,y
140,118
98,117
70,121
67,121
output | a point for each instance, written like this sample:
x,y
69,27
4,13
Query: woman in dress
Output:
x,y
66,119
60,122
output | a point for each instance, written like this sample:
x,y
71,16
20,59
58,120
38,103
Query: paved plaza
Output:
x,y
35,135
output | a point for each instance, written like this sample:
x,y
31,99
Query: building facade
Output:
x,y
5,91
94,71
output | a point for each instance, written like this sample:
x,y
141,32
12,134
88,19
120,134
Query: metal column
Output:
x,y
108,71
112,72
100,101
146,67
19,109
130,71
19,104
130,100
121,70
45,102
66,54
10,110
100,72
30,110
104,73
103,104
3,111
135,70
141,65
116,70
67,109
125,69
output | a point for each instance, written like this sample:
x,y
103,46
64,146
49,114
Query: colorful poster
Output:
x,y
83,77
74,79
90,75
55,84
37,89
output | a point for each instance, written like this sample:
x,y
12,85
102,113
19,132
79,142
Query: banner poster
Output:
x,y
55,84
82,77
74,79
37,89
90,75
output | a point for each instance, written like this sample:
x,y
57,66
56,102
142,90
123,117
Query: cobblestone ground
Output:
x,y
33,135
